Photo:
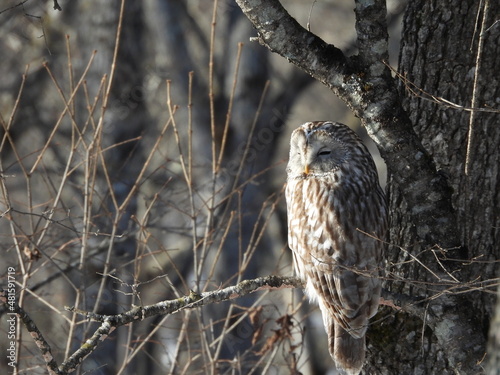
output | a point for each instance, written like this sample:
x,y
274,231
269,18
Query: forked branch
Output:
x,y
110,322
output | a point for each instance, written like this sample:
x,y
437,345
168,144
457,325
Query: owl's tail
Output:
x,y
348,352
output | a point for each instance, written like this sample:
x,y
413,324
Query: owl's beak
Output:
x,y
306,169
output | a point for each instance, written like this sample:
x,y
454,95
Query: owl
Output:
x,y
337,219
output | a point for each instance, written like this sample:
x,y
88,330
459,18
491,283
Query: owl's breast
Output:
x,y
311,215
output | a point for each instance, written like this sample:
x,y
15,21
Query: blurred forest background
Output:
x,y
138,168
142,156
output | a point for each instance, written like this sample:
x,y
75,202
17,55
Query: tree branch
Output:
x,y
195,300
57,6
371,28
110,322
35,333
437,320
368,89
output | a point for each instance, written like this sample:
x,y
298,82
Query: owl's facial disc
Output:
x,y
321,153
314,157
315,152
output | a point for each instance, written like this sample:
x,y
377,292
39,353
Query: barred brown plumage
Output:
x,y
337,219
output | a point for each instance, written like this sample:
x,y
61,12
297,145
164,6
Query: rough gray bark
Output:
x,y
439,55
433,207
493,363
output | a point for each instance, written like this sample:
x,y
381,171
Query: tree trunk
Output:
x,y
449,51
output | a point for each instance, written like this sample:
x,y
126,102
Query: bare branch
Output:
x,y
35,333
111,322
419,307
194,300
418,92
13,6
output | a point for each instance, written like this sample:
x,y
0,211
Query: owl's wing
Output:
x,y
338,262
346,272
350,297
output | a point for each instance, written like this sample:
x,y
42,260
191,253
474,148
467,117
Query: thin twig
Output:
x,y
416,91
230,106
21,3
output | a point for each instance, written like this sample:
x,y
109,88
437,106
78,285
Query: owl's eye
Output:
x,y
324,152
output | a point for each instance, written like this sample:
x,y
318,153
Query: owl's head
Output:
x,y
321,147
